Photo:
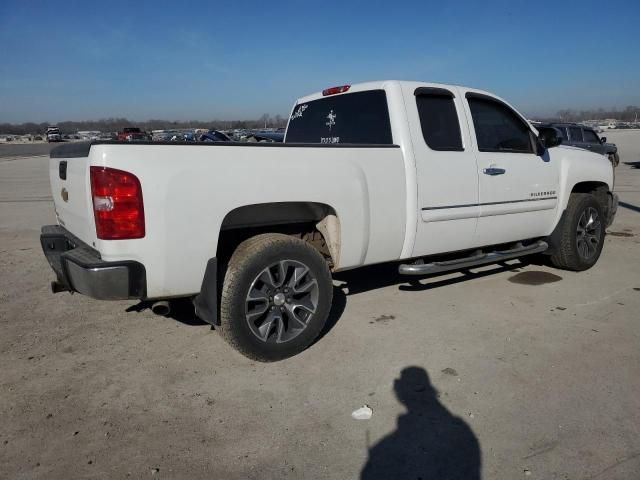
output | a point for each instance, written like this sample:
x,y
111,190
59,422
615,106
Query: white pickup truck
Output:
x,y
434,177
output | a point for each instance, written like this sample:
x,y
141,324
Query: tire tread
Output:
x,y
566,257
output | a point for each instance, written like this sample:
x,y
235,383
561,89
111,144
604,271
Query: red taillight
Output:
x,y
334,90
117,204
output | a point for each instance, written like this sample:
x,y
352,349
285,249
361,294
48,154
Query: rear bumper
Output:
x,y
79,268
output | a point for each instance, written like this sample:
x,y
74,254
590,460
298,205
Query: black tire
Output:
x,y
265,256
569,254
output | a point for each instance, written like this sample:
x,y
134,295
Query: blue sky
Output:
x,y
233,60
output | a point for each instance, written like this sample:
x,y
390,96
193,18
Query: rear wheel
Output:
x,y
582,234
276,297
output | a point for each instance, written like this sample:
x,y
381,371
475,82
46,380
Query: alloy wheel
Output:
x,y
281,301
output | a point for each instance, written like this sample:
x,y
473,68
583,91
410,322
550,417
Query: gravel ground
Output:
x,y
516,371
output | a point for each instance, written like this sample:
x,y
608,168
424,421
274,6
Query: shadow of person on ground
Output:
x,y
429,443
633,164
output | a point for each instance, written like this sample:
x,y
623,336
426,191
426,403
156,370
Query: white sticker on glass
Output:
x,y
298,113
332,119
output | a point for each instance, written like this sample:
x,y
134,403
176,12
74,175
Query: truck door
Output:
x,y
446,169
518,189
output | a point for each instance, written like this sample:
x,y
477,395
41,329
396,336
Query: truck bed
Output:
x,y
189,189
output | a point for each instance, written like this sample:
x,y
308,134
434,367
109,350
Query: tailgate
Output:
x,y
71,190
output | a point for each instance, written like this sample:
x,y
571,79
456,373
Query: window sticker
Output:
x,y
332,119
298,113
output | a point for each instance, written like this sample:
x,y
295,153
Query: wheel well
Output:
x,y
316,223
599,190
589,187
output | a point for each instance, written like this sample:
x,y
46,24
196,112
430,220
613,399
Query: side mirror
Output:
x,y
603,140
550,136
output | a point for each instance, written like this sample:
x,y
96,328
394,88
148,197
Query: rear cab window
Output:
x,y
351,118
439,119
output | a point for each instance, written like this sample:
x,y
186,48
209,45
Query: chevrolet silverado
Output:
x,y
433,177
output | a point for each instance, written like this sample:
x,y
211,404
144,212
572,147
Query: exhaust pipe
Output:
x,y
161,307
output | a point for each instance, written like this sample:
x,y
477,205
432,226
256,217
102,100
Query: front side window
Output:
x,y
498,128
576,134
360,118
590,136
439,122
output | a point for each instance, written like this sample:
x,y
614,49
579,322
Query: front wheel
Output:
x,y
581,235
276,297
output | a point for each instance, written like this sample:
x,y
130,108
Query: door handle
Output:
x,y
493,171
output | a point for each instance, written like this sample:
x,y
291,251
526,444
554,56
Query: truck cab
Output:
x,y
476,172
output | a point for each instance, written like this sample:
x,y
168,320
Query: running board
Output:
x,y
477,259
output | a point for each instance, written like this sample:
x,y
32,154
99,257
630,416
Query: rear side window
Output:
x,y
575,133
498,128
590,136
361,117
439,122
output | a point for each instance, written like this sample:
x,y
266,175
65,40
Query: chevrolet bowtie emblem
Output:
x,y
65,195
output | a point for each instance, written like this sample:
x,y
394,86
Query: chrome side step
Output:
x,y
477,259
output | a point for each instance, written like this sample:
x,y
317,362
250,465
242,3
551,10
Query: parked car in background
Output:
x,y
580,136
163,135
188,137
266,136
53,134
214,136
132,134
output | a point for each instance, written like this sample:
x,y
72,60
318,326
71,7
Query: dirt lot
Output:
x,y
511,372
